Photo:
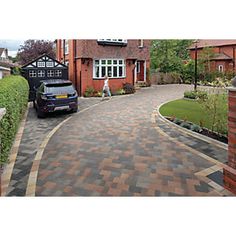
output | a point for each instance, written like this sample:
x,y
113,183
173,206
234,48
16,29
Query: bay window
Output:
x,y
113,68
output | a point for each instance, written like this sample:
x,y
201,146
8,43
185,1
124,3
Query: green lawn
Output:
x,y
194,112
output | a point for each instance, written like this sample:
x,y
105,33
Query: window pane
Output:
x,y
103,62
109,62
115,62
114,71
97,71
120,62
96,62
49,64
109,71
120,71
103,71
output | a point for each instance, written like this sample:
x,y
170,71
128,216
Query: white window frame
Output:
x,y
49,64
112,65
32,73
113,40
66,46
41,73
220,68
50,73
138,66
41,63
58,73
140,43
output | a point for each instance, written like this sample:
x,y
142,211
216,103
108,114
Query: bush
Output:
x,y
89,92
177,121
128,88
97,94
195,128
190,94
186,125
195,94
120,92
14,92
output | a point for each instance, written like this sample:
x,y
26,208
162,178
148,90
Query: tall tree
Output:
x,y
168,55
31,49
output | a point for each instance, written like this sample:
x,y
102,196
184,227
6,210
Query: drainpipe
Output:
x,y
75,66
234,59
64,51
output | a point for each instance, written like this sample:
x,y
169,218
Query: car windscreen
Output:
x,y
59,89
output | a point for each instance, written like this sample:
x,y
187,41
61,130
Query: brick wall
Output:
x,y
229,175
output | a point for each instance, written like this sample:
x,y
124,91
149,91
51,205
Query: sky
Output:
x,y
11,45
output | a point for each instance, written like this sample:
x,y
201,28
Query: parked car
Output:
x,y
54,95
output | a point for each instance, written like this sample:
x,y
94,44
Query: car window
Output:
x,y
60,89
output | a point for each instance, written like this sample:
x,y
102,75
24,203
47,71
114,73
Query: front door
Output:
x,y
140,71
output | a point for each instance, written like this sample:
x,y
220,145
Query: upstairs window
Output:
x,y
140,43
113,68
118,42
41,64
49,63
66,46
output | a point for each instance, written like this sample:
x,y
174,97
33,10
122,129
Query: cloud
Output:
x,y
11,45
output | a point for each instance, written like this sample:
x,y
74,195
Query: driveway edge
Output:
x,y
7,171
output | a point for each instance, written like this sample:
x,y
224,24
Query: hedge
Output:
x,y
14,92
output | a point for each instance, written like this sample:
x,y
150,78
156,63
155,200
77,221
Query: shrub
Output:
x,y
195,128
177,121
190,94
186,125
120,92
195,94
14,92
89,92
98,94
128,88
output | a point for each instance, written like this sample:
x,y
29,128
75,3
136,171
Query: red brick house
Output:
x,y
124,61
224,50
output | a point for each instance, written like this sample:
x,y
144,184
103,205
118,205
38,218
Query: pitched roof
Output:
x,y
7,64
221,56
212,43
1,50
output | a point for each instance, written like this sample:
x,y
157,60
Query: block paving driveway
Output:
x,y
115,149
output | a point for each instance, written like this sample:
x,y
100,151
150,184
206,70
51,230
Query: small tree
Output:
x,y
33,49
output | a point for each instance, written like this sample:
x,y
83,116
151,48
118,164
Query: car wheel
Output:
x,y
41,114
75,110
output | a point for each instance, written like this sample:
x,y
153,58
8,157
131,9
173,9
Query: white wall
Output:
x,y
1,74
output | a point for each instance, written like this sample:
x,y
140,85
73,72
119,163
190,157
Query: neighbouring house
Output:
x,y
123,61
42,68
223,59
5,66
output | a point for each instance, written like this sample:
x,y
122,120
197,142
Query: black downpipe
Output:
x,y
64,51
80,85
75,70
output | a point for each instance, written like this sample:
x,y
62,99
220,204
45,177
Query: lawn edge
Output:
x,y
190,132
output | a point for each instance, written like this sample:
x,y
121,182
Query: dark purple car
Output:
x,y
55,95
